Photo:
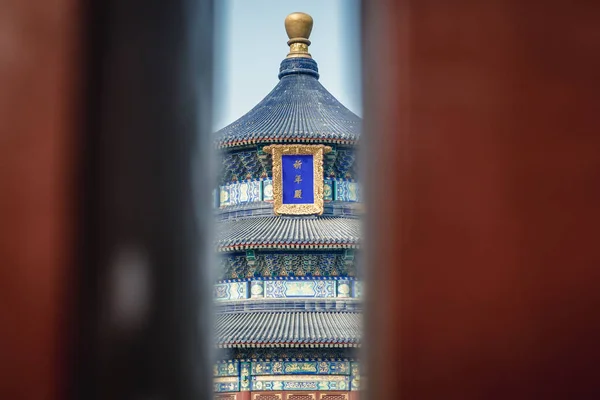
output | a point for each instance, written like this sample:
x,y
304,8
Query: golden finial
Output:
x,y
298,26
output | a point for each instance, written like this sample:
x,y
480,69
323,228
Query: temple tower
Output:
x,y
288,298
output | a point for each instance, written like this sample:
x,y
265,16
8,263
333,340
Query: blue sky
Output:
x,y
250,43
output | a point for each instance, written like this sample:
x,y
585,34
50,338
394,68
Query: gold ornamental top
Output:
x,y
298,26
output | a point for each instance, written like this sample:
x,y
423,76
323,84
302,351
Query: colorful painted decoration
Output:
x,y
297,178
287,298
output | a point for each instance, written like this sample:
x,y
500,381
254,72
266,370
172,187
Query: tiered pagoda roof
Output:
x,y
296,329
298,110
288,232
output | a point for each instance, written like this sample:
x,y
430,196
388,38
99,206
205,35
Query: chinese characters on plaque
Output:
x,y
297,178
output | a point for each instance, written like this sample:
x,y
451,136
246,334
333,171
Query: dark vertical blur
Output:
x,y
143,325
483,141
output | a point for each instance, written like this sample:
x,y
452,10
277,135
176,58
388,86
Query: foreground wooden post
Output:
x,y
483,211
104,170
39,75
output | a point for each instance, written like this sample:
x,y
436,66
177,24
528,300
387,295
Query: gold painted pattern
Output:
x,y
299,47
301,378
226,379
317,151
224,396
269,396
300,367
301,396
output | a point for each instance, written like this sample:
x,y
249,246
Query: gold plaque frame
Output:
x,y
317,151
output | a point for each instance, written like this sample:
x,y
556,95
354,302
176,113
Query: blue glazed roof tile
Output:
x,y
298,109
293,329
288,232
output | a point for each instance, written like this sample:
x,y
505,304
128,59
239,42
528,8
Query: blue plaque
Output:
x,y
298,179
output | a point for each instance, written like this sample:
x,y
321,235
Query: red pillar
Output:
x,y
244,395
482,127
39,62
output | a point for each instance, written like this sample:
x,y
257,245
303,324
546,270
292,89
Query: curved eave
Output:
x,y
271,140
275,232
298,110
305,345
300,246
289,329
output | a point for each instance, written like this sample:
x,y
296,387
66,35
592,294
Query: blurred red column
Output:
x,y
38,81
484,190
